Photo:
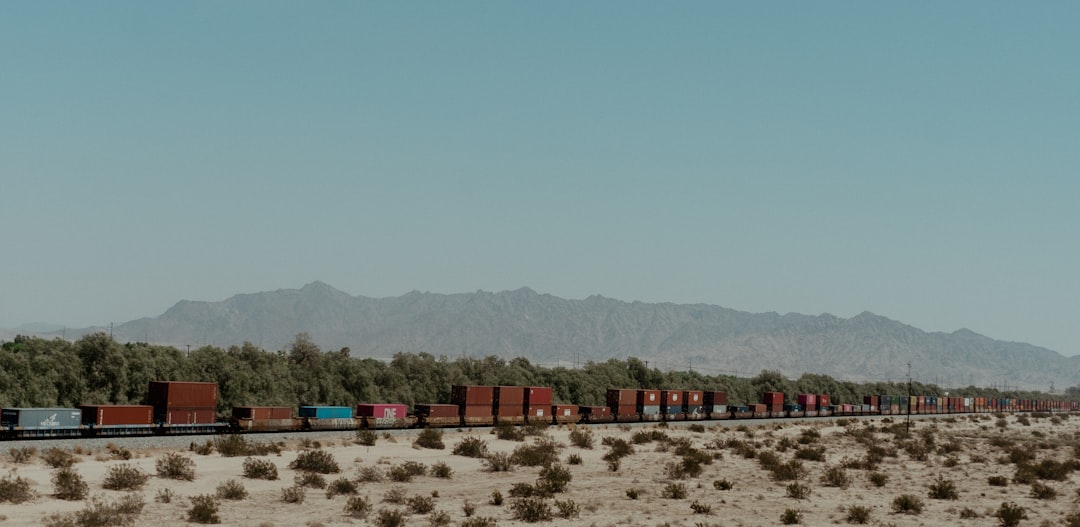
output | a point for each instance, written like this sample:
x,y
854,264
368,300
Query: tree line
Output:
x,y
96,369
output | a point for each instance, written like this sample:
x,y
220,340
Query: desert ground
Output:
x,y
745,473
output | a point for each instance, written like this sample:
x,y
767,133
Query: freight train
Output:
x,y
177,407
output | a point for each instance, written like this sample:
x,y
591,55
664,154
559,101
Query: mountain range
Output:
x,y
554,331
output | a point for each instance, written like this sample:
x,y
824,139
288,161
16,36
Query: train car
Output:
x,y
438,415
596,414
118,419
623,404
475,404
265,419
539,405
648,405
374,416
694,405
328,418
671,405
41,422
565,414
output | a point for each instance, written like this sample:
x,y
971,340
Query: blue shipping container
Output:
x,y
327,412
41,418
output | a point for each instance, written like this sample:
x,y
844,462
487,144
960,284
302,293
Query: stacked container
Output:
x,y
716,405
694,401
623,404
538,406
671,404
824,405
775,403
183,403
648,404
474,403
872,402
508,405
808,401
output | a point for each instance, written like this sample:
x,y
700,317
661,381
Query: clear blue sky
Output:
x,y
918,160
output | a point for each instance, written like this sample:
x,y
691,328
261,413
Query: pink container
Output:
x,y
392,411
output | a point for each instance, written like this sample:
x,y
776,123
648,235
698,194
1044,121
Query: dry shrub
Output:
x,y
471,446
204,509
531,510
430,438
58,458
22,455
125,477
98,513
69,485
175,466
231,490
260,469
358,507
319,461
341,486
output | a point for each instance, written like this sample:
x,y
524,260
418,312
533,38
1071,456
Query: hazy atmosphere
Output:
x,y
915,160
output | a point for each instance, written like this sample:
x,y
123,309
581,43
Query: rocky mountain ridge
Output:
x,y
551,330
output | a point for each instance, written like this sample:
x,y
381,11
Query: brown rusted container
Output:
x,y
117,414
189,416
694,397
438,410
621,397
506,396
463,395
538,396
715,398
182,394
773,398
871,400
596,414
476,411
509,410
567,411
262,412
671,398
624,410
648,398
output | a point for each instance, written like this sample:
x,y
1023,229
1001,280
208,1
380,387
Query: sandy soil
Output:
x,y
756,498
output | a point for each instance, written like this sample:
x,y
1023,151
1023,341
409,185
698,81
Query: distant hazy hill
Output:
x,y
547,329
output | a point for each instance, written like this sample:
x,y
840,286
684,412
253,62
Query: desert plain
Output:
x,y
981,469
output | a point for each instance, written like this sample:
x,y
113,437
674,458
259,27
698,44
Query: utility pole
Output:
x,y
909,397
